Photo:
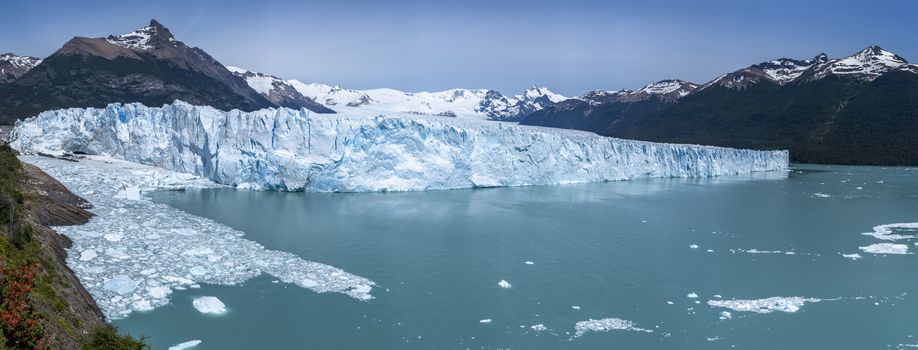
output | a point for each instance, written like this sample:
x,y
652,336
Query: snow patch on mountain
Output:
x,y
284,149
867,64
19,62
136,40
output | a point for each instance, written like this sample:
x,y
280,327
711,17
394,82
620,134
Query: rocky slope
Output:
x,y
68,317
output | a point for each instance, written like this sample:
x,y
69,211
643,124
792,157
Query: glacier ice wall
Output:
x,y
285,149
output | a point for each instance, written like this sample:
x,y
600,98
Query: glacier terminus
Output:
x,y
297,150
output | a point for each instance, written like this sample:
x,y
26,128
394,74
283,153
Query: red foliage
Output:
x,y
18,319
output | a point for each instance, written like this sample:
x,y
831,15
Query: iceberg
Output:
x,y
296,150
209,305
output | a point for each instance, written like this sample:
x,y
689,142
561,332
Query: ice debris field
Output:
x,y
135,252
285,149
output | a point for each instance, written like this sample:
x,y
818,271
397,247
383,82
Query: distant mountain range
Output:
x,y
150,66
861,109
460,103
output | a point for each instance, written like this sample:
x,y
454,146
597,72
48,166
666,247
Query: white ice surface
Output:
x,y
885,248
503,284
162,248
887,232
186,345
209,305
284,149
766,305
605,325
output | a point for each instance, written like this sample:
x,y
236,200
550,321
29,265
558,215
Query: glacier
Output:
x,y
296,150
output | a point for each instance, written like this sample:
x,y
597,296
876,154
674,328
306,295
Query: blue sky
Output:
x,y
570,46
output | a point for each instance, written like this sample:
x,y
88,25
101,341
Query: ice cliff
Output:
x,y
285,149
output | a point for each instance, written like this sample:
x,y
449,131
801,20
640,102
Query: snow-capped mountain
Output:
x,y
867,64
278,91
780,71
668,90
13,66
286,149
460,103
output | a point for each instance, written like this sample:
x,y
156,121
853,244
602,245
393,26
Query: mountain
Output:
x,y
147,65
461,103
13,66
601,110
860,109
279,91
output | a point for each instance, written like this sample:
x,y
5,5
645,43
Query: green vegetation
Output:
x,y
33,312
107,338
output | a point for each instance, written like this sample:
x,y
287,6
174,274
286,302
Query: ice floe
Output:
x,y
209,305
691,295
885,248
693,246
539,327
766,305
133,253
186,345
503,284
485,321
886,232
854,256
605,325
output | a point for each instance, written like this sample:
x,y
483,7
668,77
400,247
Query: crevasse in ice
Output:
x,y
285,149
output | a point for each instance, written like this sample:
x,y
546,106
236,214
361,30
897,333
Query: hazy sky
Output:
x,y
570,46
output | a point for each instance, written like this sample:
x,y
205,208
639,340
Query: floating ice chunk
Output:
x,y
113,237
766,305
485,321
121,284
691,295
670,302
605,325
209,305
530,263
538,327
503,284
885,248
710,250
198,271
88,255
186,345
158,292
693,246
854,256
575,307
131,193
725,315
821,195
885,232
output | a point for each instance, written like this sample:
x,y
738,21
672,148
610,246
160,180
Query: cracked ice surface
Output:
x,y
135,252
285,149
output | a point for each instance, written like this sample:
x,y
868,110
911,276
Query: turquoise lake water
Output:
x,y
608,250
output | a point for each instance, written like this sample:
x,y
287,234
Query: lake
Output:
x,y
636,253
